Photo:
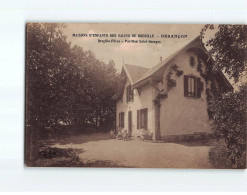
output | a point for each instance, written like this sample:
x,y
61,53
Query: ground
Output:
x,y
99,149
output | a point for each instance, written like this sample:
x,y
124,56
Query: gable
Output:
x,y
163,63
121,85
134,72
129,74
196,46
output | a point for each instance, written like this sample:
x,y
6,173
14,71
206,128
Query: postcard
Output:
x,y
135,95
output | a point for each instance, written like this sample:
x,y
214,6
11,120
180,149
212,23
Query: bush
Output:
x,y
229,114
147,135
218,154
121,134
68,157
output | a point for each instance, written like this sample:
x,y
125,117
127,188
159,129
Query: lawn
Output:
x,y
100,150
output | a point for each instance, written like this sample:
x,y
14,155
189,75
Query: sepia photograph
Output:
x,y
125,95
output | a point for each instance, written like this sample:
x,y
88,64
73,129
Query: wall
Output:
x,y
140,102
183,115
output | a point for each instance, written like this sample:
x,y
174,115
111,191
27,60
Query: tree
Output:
x,y
46,54
229,49
229,113
65,84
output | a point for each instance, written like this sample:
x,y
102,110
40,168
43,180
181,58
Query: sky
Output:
x,y
140,54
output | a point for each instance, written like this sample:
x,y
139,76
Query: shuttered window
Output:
x,y
192,86
129,94
185,85
199,87
142,119
121,120
138,119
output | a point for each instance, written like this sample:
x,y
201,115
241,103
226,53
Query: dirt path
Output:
x,y
135,153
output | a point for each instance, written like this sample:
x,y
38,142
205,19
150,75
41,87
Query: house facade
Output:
x,y
170,99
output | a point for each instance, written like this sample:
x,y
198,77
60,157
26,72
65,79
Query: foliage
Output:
x,y
171,82
192,61
64,84
162,94
147,135
112,133
123,135
229,113
70,158
228,109
218,154
228,48
199,65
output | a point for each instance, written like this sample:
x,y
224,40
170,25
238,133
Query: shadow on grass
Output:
x,y
194,143
67,158
104,163
95,164
77,139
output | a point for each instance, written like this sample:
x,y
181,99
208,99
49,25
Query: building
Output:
x,y
170,99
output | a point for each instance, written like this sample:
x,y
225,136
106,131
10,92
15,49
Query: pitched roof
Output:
x,y
197,42
134,72
137,74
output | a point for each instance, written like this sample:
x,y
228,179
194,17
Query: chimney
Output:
x,y
161,58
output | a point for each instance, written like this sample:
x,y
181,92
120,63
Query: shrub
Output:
x,y
113,134
218,154
229,114
121,134
147,135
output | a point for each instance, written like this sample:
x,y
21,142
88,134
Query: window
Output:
x,y
192,86
142,119
121,120
129,94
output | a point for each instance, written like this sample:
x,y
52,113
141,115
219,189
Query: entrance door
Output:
x,y
130,121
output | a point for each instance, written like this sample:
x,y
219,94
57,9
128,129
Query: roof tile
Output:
x,y
135,72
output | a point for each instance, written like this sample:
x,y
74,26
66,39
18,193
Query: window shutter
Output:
x,y
132,94
195,87
127,94
119,120
123,120
146,118
185,85
141,119
138,119
198,90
